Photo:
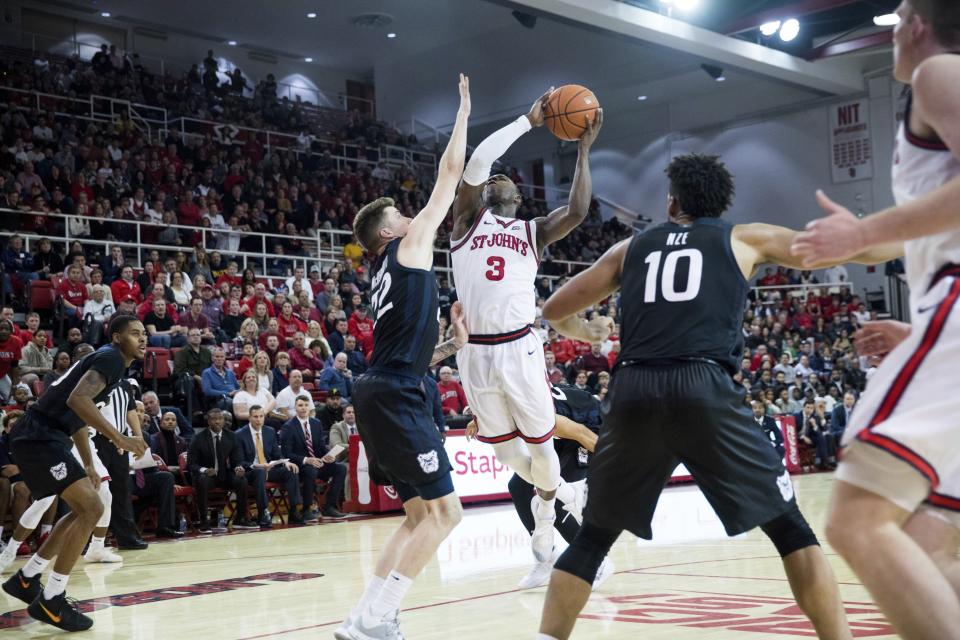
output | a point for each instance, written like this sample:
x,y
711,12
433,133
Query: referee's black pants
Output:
x,y
118,465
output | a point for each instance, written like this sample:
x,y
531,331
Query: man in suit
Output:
x,y
155,413
260,447
166,443
840,417
811,431
215,461
303,441
769,427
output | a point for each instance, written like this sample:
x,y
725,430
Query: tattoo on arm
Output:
x,y
90,384
443,351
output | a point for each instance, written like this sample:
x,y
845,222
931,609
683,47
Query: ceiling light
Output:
x,y
232,43
105,14
714,72
391,35
687,5
769,28
790,29
887,20
308,59
311,15
641,98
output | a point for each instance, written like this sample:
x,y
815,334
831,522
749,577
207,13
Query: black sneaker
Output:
x,y
295,519
333,513
244,524
22,588
204,529
311,517
60,612
265,522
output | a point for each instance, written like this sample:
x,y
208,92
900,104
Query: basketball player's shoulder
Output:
x,y
936,94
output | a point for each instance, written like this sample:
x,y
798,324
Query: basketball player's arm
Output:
x,y
416,248
81,403
460,336
585,289
562,221
936,104
568,429
758,243
467,205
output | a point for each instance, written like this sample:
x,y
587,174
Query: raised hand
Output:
x,y
464,95
593,128
880,337
535,115
834,238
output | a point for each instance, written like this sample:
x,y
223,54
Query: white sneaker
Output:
x,y
605,571
101,555
366,627
343,631
538,576
575,508
542,539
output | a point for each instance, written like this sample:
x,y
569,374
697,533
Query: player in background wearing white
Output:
x,y
116,410
895,508
495,262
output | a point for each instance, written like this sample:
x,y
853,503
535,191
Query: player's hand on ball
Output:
x,y
472,430
94,477
835,238
878,338
593,128
464,95
459,322
600,328
535,115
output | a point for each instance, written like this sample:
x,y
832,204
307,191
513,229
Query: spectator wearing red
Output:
x,y
594,361
362,327
195,319
259,295
272,349
273,329
562,348
26,336
452,398
614,354
188,213
125,286
73,291
554,373
231,275
246,360
303,358
290,325
80,186
10,354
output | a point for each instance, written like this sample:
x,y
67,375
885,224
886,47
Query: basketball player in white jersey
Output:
x,y
117,410
495,263
898,489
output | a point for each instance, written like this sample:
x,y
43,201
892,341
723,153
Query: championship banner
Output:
x,y
851,150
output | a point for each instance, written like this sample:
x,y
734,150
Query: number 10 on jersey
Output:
x,y
668,286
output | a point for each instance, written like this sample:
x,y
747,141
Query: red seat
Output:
x,y
37,388
156,364
42,295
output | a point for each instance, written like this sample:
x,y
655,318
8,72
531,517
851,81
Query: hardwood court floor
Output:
x,y
292,584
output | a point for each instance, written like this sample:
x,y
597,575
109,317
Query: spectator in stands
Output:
x,y
361,327
337,337
189,364
281,372
840,417
337,377
166,443
153,414
161,329
594,361
125,286
153,484
195,319
262,458
555,374
580,381
287,397
16,261
61,363
331,412
356,361
10,356
218,382
341,431
803,368
73,293
562,348
323,297
303,358
216,461
46,261
250,394
769,427
299,276
812,432
18,398
288,324
305,444
452,398
36,360
17,490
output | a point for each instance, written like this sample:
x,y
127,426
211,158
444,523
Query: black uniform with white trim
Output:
x,y
672,398
41,442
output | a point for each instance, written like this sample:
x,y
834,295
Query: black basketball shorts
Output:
x,y
44,455
655,417
402,443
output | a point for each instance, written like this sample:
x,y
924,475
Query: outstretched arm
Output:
x,y
840,234
583,290
467,204
572,430
416,248
460,336
562,221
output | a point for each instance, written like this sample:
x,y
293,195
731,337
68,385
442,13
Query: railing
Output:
x,y
324,245
771,294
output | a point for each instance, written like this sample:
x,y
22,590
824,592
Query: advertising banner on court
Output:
x,y
851,150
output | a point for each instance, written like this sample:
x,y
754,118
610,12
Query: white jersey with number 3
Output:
x,y
494,270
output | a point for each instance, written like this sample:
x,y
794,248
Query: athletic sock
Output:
x,y
370,593
543,636
95,543
545,508
45,529
394,588
35,566
10,551
565,492
56,585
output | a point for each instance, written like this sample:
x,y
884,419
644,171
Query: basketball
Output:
x,y
569,110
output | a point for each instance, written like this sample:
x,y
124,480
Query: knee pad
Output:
x,y
34,514
106,498
586,553
790,532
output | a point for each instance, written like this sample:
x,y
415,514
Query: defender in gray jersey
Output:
x,y
672,398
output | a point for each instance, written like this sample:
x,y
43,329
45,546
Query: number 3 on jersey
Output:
x,y
496,273
668,284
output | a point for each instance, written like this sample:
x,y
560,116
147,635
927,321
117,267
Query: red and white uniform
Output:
x,y
911,406
502,367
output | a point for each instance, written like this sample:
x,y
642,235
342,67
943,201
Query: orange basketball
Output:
x,y
569,109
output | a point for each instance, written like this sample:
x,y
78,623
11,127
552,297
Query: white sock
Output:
x,y
543,636
565,492
45,528
10,551
546,508
394,588
35,566
95,543
56,585
370,593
